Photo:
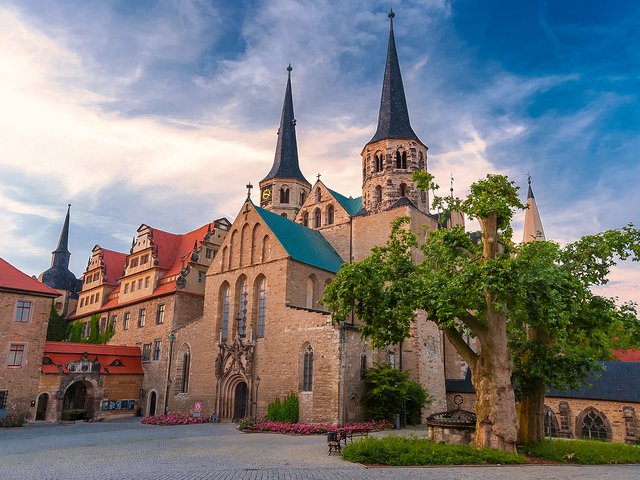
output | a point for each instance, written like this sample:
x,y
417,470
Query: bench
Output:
x,y
355,432
333,441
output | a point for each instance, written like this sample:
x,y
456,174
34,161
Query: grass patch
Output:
x,y
402,451
584,452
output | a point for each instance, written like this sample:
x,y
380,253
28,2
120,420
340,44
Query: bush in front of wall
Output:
x,y
284,412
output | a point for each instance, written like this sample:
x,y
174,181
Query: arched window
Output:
x,y
262,305
378,163
225,297
420,161
378,194
184,357
311,291
223,263
241,306
255,242
330,214
266,249
232,245
307,369
550,422
398,159
565,430
302,198
317,218
284,195
404,160
305,219
594,425
403,190
283,215
318,195
244,244
363,364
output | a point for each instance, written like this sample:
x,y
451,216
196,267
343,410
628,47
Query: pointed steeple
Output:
x,y
63,241
393,119
285,163
533,229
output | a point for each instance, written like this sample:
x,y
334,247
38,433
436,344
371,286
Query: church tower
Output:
x,y
395,151
533,230
284,189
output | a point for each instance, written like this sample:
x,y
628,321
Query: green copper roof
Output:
x,y
351,205
301,243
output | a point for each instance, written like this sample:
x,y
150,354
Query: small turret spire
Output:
x,y
533,229
285,163
393,119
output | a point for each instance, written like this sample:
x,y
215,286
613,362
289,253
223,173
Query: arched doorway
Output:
x,y
78,401
240,401
153,398
41,410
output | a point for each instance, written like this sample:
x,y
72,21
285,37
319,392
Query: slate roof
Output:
x,y
618,382
350,204
59,276
301,243
393,119
402,201
285,162
13,279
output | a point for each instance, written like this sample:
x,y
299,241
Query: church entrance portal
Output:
x,y
240,401
41,411
152,403
78,401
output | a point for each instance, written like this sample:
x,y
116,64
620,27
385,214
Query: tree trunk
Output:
x,y
497,422
531,414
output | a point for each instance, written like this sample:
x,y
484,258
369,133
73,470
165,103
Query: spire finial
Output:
x,y
391,15
451,180
528,178
318,177
289,68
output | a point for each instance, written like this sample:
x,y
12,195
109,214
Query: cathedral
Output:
x,y
227,318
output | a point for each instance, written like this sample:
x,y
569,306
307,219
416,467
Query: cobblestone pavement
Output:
x,y
126,449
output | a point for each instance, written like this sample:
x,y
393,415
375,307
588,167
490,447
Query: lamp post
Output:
x,y
255,411
172,338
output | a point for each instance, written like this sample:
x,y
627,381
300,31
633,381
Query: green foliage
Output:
x,y
401,451
285,412
584,452
95,337
11,421
391,391
75,334
94,329
58,328
246,422
73,414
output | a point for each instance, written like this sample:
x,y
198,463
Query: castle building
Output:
x,y
59,277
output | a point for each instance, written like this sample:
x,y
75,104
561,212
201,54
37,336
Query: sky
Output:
x,y
160,112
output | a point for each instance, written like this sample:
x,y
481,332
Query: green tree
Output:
x,y
559,328
461,287
532,303
58,327
391,391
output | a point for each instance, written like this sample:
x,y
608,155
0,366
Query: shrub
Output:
x,y
264,425
401,451
174,419
390,391
285,412
585,452
11,421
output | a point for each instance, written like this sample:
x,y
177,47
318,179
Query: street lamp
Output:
x,y
255,416
172,338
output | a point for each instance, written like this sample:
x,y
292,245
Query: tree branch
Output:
x,y
473,323
465,351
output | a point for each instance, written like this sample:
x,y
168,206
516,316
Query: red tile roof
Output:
x,y
13,279
113,264
631,355
61,353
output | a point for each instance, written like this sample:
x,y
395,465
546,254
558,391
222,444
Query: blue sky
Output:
x,y
159,112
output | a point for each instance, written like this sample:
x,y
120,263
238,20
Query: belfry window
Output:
x,y
284,195
302,198
317,218
377,163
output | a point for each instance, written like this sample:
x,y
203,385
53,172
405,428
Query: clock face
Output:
x,y
266,194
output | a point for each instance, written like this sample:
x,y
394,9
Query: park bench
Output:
x,y
349,433
333,441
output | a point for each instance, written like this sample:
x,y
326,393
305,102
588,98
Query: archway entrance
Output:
x,y
152,403
78,401
41,410
240,401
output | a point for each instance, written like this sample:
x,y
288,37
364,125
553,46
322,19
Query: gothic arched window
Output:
x,y
241,306
284,195
185,357
378,194
594,425
317,218
307,369
311,291
262,305
226,309
330,214
305,219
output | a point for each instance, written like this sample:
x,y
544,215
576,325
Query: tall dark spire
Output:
x,y
63,241
393,120
285,163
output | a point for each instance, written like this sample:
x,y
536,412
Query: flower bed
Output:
x,y
174,419
308,428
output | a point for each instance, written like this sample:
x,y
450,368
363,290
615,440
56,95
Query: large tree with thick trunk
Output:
x,y
531,303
